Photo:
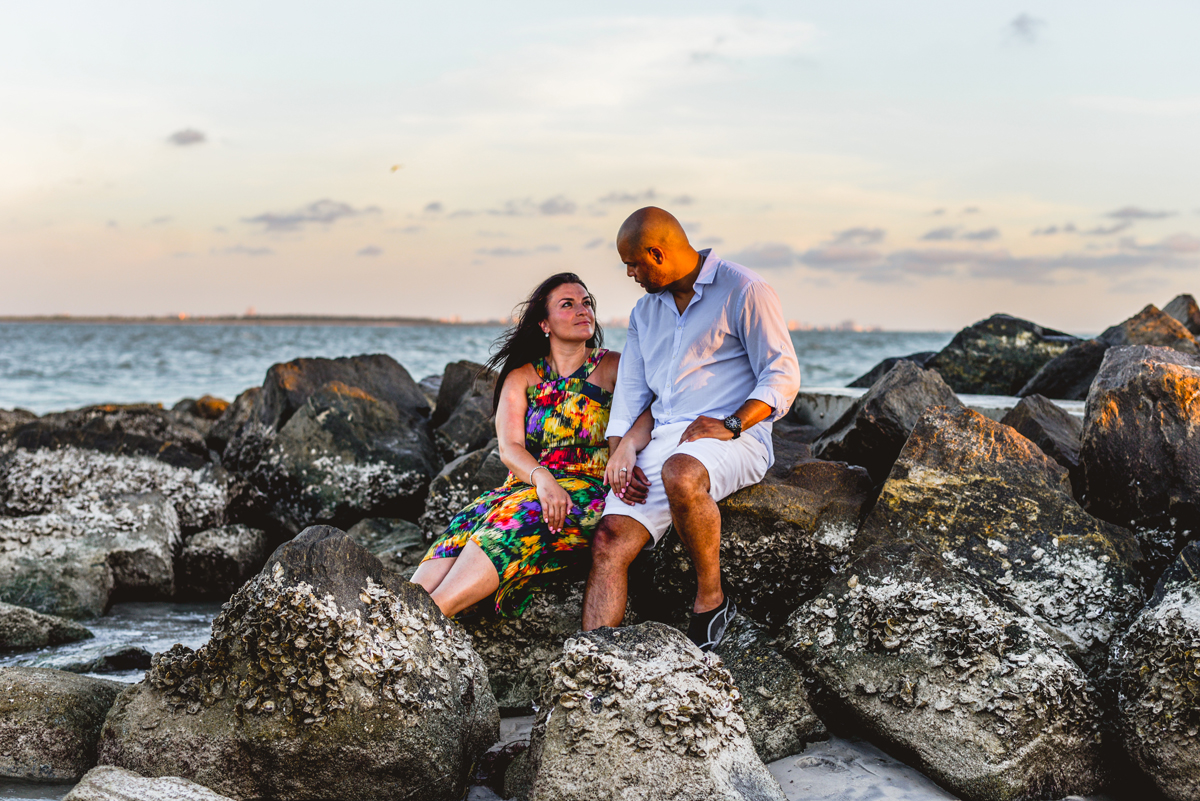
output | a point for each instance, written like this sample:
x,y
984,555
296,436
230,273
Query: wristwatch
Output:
x,y
734,424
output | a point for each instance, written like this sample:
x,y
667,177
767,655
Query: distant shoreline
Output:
x,y
263,319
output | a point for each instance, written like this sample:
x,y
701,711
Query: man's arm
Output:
x,y
631,395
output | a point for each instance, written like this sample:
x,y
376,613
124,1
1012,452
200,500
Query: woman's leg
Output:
x,y
472,578
432,572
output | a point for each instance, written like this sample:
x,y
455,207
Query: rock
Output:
x,y
1056,432
326,677
77,559
1141,448
967,689
133,430
107,659
24,628
877,372
1151,327
15,418
430,385
217,561
459,483
395,542
200,413
991,504
997,356
106,783
1155,665
460,380
1184,309
469,427
641,713
233,418
873,430
780,539
50,721
775,704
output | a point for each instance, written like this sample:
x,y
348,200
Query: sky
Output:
x,y
916,166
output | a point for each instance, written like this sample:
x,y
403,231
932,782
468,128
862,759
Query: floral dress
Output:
x,y
564,430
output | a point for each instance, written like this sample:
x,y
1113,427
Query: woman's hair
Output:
x,y
525,342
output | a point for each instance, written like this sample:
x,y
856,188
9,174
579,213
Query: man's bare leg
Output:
x,y
617,542
697,520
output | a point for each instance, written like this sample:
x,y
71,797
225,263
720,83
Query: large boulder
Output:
x,y
967,688
1141,447
873,430
396,542
216,561
641,713
1056,432
326,677
10,419
75,560
1184,309
21,627
877,372
998,355
200,413
459,483
142,429
236,415
50,722
463,421
989,502
106,783
459,380
1156,664
1152,326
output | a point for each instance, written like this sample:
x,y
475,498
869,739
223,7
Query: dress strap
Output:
x,y
593,361
542,368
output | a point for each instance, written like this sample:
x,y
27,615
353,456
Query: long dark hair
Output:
x,y
525,342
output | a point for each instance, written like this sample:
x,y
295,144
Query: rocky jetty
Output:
x,y
462,419
200,413
216,561
1057,434
1184,309
877,372
106,783
24,628
458,483
997,356
236,415
396,542
326,676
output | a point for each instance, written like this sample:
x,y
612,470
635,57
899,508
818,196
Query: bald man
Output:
x,y
709,352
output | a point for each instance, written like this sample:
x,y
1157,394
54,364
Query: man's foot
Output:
x,y
706,629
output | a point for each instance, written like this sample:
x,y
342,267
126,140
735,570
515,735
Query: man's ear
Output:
x,y
656,254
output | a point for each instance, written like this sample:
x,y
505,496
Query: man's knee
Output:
x,y
615,545
684,477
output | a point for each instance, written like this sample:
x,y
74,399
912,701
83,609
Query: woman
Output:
x,y
553,398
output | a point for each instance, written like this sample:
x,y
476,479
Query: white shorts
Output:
x,y
731,465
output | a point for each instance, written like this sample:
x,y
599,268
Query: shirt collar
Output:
x,y
708,273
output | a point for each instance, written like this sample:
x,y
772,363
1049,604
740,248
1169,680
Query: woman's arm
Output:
x,y
510,431
622,470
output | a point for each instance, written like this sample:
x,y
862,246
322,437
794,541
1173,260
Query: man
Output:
x,y
709,352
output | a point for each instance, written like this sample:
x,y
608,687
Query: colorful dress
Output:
x,y
564,430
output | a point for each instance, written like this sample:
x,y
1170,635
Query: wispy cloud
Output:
x,y
527,207
859,236
984,235
1025,28
160,221
506,252
645,196
595,243
186,137
242,250
323,212
944,234
1138,213
370,250
1108,230
765,256
434,208
1053,230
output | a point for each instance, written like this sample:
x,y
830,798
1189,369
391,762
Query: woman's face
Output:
x,y
571,317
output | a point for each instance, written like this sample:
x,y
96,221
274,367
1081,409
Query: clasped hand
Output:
x,y
706,428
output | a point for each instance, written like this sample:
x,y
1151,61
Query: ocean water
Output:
x,y
48,367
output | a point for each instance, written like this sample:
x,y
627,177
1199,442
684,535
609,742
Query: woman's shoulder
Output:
x,y
523,377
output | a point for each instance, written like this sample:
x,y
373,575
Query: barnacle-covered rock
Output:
x,y
397,543
326,677
24,628
217,561
1141,448
233,418
106,783
1055,431
641,713
75,559
966,686
459,483
1156,665
200,413
50,721
991,504
13,418
998,355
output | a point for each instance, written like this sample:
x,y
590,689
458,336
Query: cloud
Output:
x,y
462,213
160,221
526,207
645,196
408,229
937,212
859,236
556,205
1101,230
595,243
323,211
837,256
941,234
1177,244
1136,213
242,250
1069,228
505,252
370,250
710,242
683,200
985,235
186,137
434,208
1025,28
765,256
971,210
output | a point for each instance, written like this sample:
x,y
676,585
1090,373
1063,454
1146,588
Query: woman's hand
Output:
x,y
627,480
555,501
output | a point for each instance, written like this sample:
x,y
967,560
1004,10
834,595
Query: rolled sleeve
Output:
x,y
631,395
769,346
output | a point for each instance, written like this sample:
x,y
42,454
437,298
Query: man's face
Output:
x,y
644,265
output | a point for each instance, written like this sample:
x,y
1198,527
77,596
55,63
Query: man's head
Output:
x,y
655,249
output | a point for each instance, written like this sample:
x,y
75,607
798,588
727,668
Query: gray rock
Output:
x,y
327,676
877,372
873,430
469,427
1184,309
1056,432
641,713
74,560
106,783
14,418
460,380
1141,448
775,704
50,722
216,561
231,420
968,689
1151,326
200,413
430,385
142,429
109,659
395,542
459,483
997,356
24,628
1155,665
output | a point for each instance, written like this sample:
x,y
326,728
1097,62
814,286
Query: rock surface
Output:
x,y
1141,447
106,783
970,690
1185,310
997,356
24,628
459,483
1156,664
111,659
991,504
200,413
217,561
326,677
397,543
459,380
641,713
877,372
1056,432
873,430
10,419
143,429
50,721
233,418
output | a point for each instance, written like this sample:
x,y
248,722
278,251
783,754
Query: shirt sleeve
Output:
x,y
631,395
769,346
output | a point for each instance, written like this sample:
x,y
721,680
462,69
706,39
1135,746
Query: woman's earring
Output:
x,y
547,333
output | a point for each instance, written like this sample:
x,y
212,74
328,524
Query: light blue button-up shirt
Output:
x,y
730,345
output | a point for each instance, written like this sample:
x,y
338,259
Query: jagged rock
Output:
x,y
991,504
395,542
1141,447
50,721
200,413
873,430
966,688
216,561
779,541
142,429
233,418
460,380
641,713
468,428
108,659
997,356
1184,309
106,783
14,418
430,385
24,628
1155,665
75,560
775,704
459,483
1055,431
327,676
1151,326
877,372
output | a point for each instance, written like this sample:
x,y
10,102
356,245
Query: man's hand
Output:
x,y
637,488
706,428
